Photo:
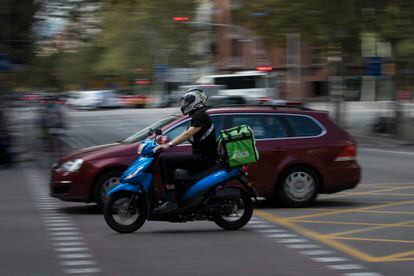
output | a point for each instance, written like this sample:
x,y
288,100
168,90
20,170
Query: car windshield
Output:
x,y
142,134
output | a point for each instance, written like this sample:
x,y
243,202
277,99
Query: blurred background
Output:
x,y
353,58
75,74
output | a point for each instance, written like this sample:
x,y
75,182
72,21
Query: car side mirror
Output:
x,y
158,131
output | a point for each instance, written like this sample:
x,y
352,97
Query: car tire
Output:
x,y
297,187
103,183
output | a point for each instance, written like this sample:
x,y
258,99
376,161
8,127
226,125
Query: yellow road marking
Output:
x,y
345,194
313,235
344,233
381,185
398,256
369,211
355,210
398,260
392,194
344,223
335,244
371,239
389,212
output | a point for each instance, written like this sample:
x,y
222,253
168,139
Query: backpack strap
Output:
x,y
207,133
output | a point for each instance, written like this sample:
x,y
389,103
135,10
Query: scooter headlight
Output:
x,y
70,166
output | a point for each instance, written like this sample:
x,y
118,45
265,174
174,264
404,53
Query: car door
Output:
x,y
270,133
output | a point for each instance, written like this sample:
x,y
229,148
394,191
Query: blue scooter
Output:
x,y
218,194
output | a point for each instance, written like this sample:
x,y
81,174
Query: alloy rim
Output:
x,y
237,213
122,214
108,184
299,186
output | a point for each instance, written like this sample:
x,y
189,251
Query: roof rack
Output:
x,y
274,106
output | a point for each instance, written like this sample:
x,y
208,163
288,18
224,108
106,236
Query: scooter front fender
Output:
x,y
123,187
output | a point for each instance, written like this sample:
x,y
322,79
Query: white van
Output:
x,y
249,84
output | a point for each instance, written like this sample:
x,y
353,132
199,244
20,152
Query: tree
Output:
x,y
129,34
323,22
16,36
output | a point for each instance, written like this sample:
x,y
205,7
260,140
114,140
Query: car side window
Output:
x,y
177,130
303,126
275,129
263,126
218,122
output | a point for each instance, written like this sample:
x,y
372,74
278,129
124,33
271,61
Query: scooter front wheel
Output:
x,y
124,212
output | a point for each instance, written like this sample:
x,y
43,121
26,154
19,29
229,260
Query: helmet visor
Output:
x,y
186,103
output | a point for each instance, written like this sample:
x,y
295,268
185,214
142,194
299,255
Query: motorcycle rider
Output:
x,y
201,134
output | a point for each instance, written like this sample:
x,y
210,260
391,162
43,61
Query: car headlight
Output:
x,y
70,166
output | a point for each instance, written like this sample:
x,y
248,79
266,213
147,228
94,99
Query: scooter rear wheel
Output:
x,y
243,211
122,216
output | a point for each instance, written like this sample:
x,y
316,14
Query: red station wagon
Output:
x,y
302,153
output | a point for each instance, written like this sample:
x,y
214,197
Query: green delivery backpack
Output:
x,y
237,146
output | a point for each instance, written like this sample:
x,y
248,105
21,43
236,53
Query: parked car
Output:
x,y
93,99
131,98
302,153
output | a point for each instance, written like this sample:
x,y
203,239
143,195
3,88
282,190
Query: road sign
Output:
x,y
373,66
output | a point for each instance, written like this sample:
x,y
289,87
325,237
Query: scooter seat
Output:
x,y
185,175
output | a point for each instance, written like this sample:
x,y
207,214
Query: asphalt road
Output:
x,y
366,231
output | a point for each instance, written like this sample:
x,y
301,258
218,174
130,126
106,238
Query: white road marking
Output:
x,y
329,259
260,226
271,231
58,244
65,233
74,238
81,270
345,267
257,222
65,236
363,274
46,219
302,246
62,228
71,263
58,224
292,240
75,256
281,236
316,252
71,249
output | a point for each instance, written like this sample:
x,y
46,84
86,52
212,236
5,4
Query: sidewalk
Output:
x,y
365,137
359,117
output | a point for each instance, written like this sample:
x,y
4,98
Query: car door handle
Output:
x,y
278,150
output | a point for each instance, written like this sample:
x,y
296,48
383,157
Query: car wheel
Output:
x,y
105,182
297,187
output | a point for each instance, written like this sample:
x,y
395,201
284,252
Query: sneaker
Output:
x,y
166,207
